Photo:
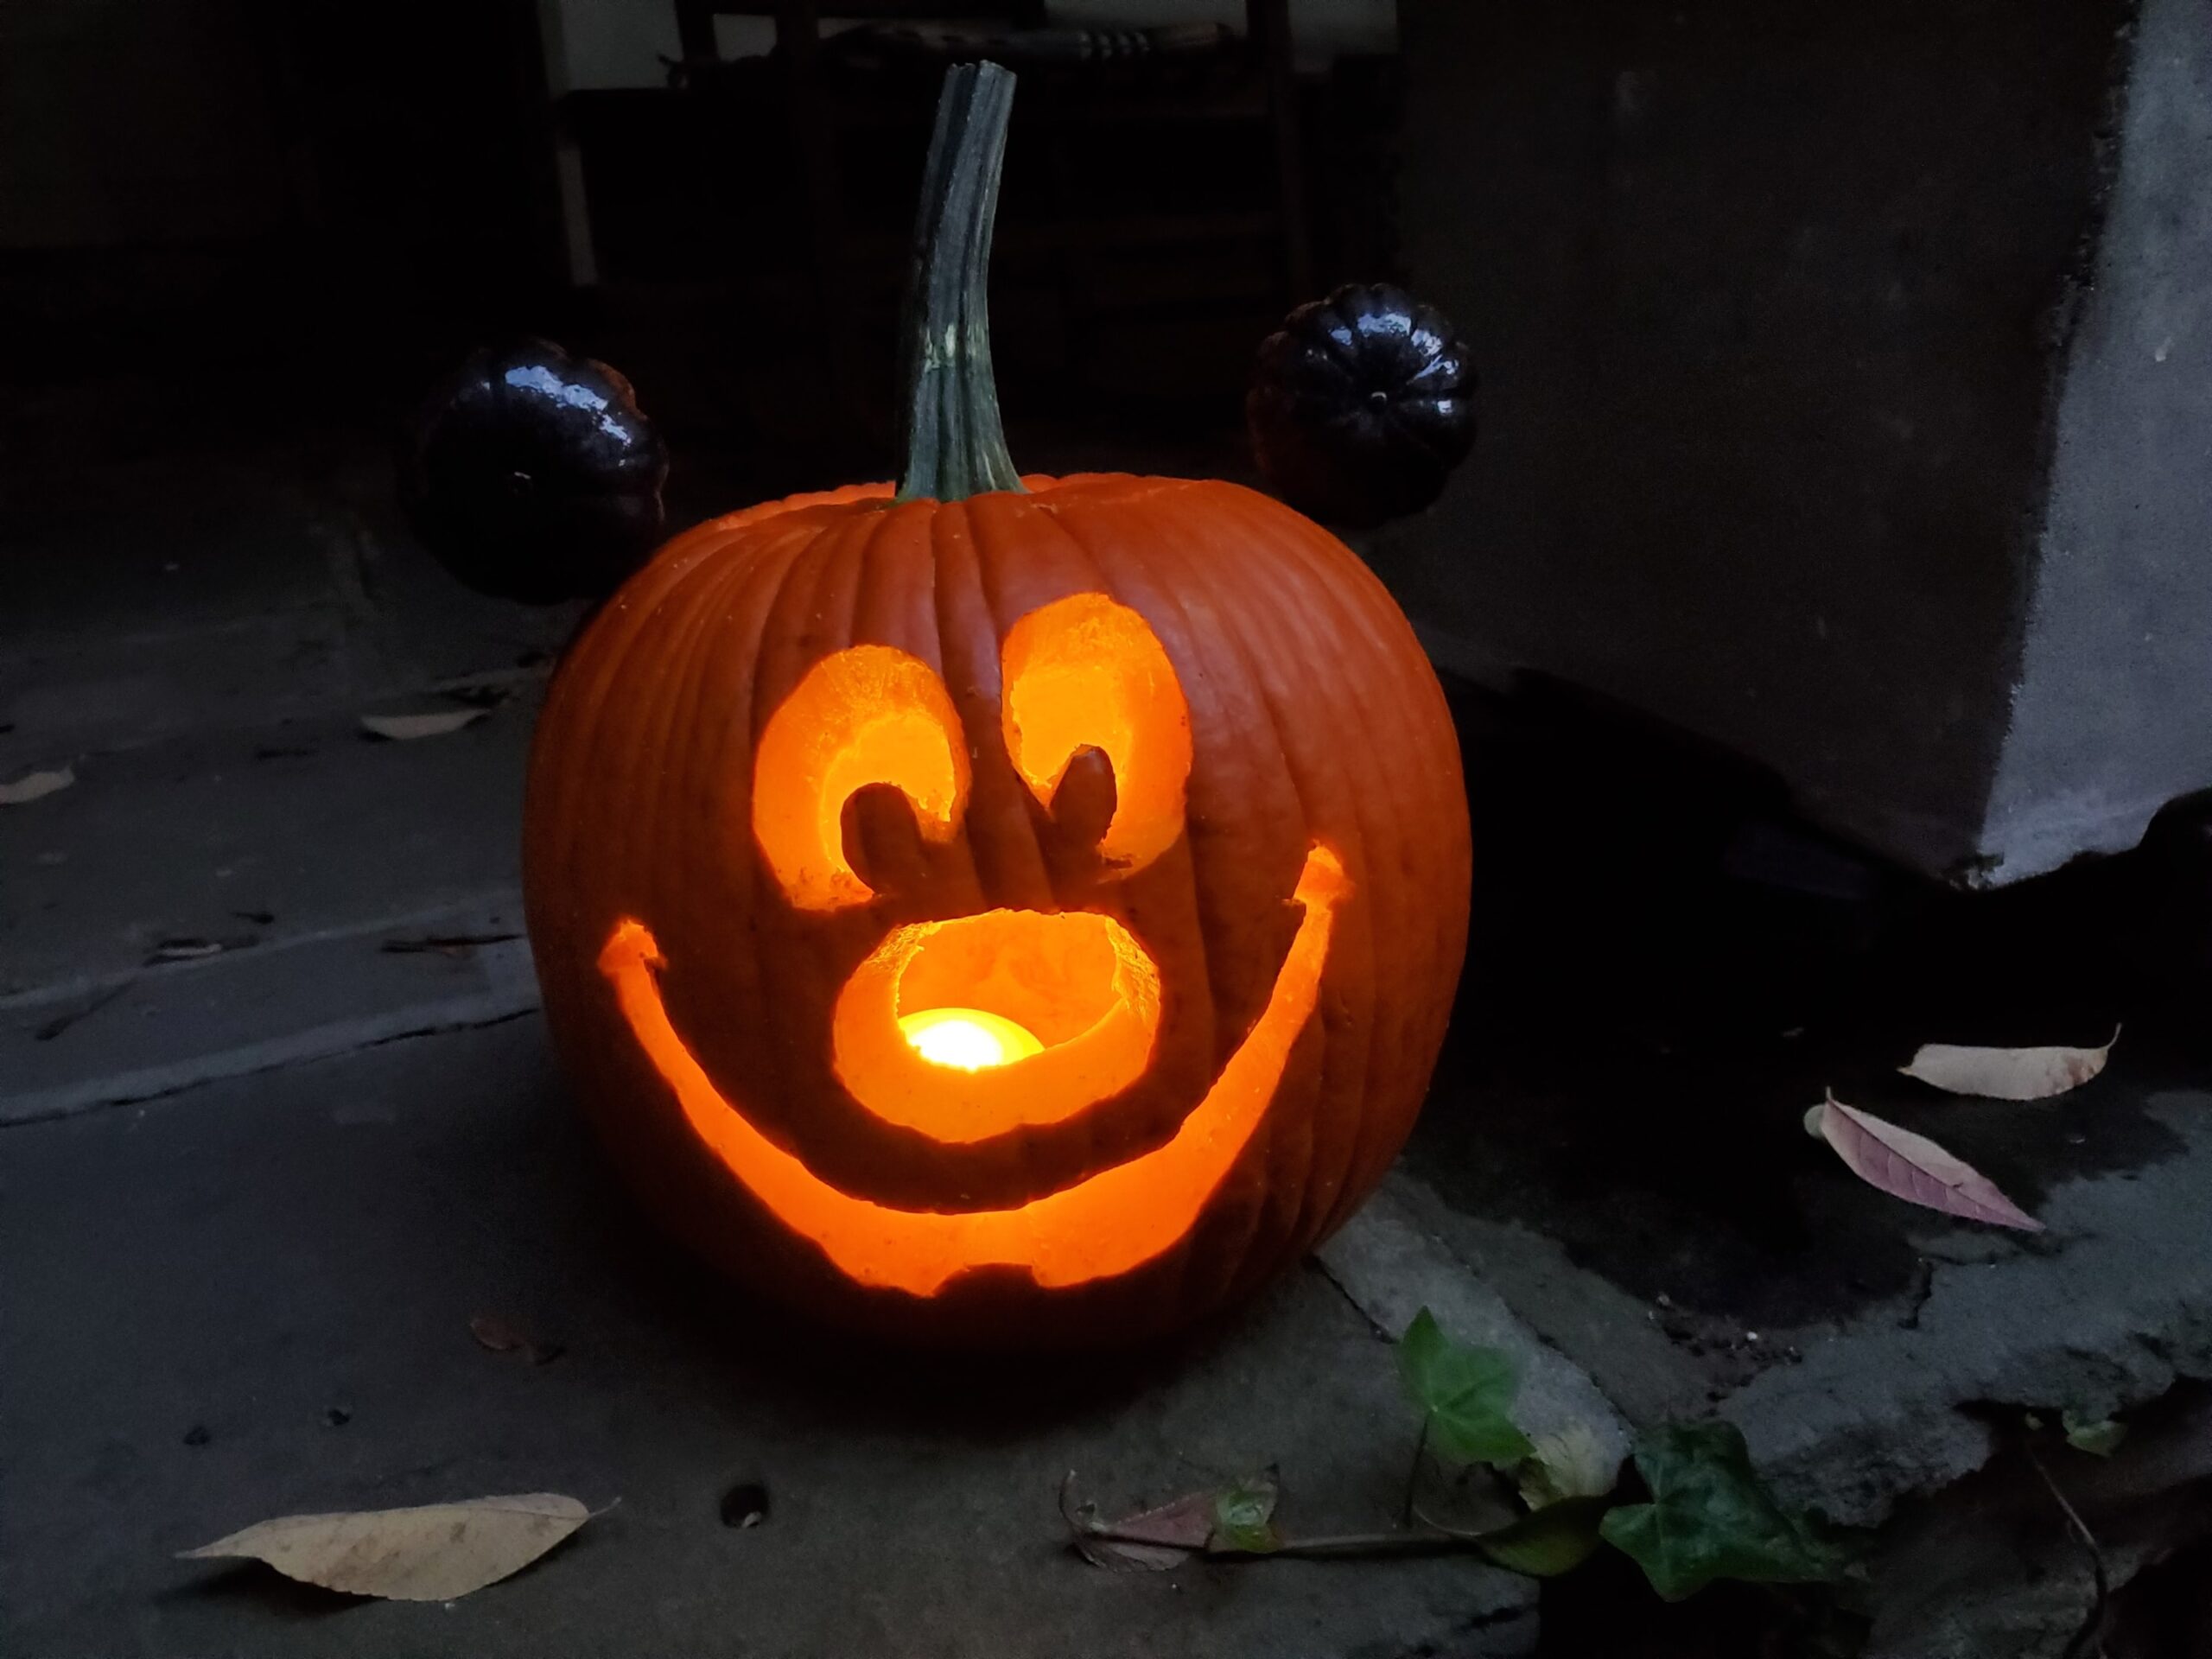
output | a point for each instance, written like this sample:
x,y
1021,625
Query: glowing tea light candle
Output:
x,y
967,1040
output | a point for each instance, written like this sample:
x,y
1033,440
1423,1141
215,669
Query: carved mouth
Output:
x,y
1105,1224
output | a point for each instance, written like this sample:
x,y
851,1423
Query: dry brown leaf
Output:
x,y
1164,1538
403,729
497,1334
494,1332
2006,1073
1183,1523
1119,1556
1234,1520
1912,1168
432,1553
36,786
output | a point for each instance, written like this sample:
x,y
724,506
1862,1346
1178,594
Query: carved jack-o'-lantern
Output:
x,y
1002,909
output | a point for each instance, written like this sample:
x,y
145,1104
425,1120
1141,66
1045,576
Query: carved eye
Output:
x,y
1087,673
866,714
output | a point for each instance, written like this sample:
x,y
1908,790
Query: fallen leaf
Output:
x,y
501,1337
2099,1437
1233,1520
1465,1394
497,1334
1912,1168
1710,1516
1567,1465
36,786
1121,1555
402,729
433,1553
2006,1073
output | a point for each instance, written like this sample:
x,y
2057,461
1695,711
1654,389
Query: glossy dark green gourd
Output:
x,y
533,475
1361,404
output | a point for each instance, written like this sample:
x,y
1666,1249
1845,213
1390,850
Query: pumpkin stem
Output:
x,y
949,432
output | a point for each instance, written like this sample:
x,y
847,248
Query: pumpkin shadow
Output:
x,y
266,1589
821,1369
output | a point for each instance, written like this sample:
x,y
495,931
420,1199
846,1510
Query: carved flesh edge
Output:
x,y
1104,1225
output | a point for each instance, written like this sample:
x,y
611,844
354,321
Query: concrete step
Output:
x,y
143,1032
256,1301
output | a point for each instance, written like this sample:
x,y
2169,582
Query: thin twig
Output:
x,y
2089,1638
1360,1544
1443,1530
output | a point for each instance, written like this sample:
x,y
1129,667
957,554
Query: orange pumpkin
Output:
x,y
1000,910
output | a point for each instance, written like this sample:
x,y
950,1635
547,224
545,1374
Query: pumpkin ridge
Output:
x,y
787,615
1017,872
1200,555
760,559
1161,596
628,775
1282,630
1419,698
1300,1143
997,547
1383,1040
1379,1034
995,550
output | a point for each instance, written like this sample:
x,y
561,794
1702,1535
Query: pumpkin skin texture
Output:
x,y
1321,762
1360,406
533,475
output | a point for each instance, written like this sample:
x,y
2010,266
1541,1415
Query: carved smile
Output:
x,y
1103,1225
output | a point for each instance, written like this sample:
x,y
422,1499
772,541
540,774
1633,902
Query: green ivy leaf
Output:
x,y
1243,1518
1710,1516
1555,1539
1465,1393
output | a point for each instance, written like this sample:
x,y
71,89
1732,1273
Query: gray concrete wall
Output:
x,y
2112,715
1771,307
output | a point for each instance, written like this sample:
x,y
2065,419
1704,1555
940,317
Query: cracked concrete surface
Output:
x,y
320,1199
243,1260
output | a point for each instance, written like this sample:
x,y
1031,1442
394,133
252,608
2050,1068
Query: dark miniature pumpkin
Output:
x,y
1361,405
533,475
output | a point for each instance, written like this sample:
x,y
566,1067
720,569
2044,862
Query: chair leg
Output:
x,y
799,41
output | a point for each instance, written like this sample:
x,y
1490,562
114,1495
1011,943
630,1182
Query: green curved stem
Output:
x,y
950,433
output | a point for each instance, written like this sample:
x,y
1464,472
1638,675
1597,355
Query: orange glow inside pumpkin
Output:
x,y
967,1040
1083,673
866,714
1105,1224
975,1027
1071,996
